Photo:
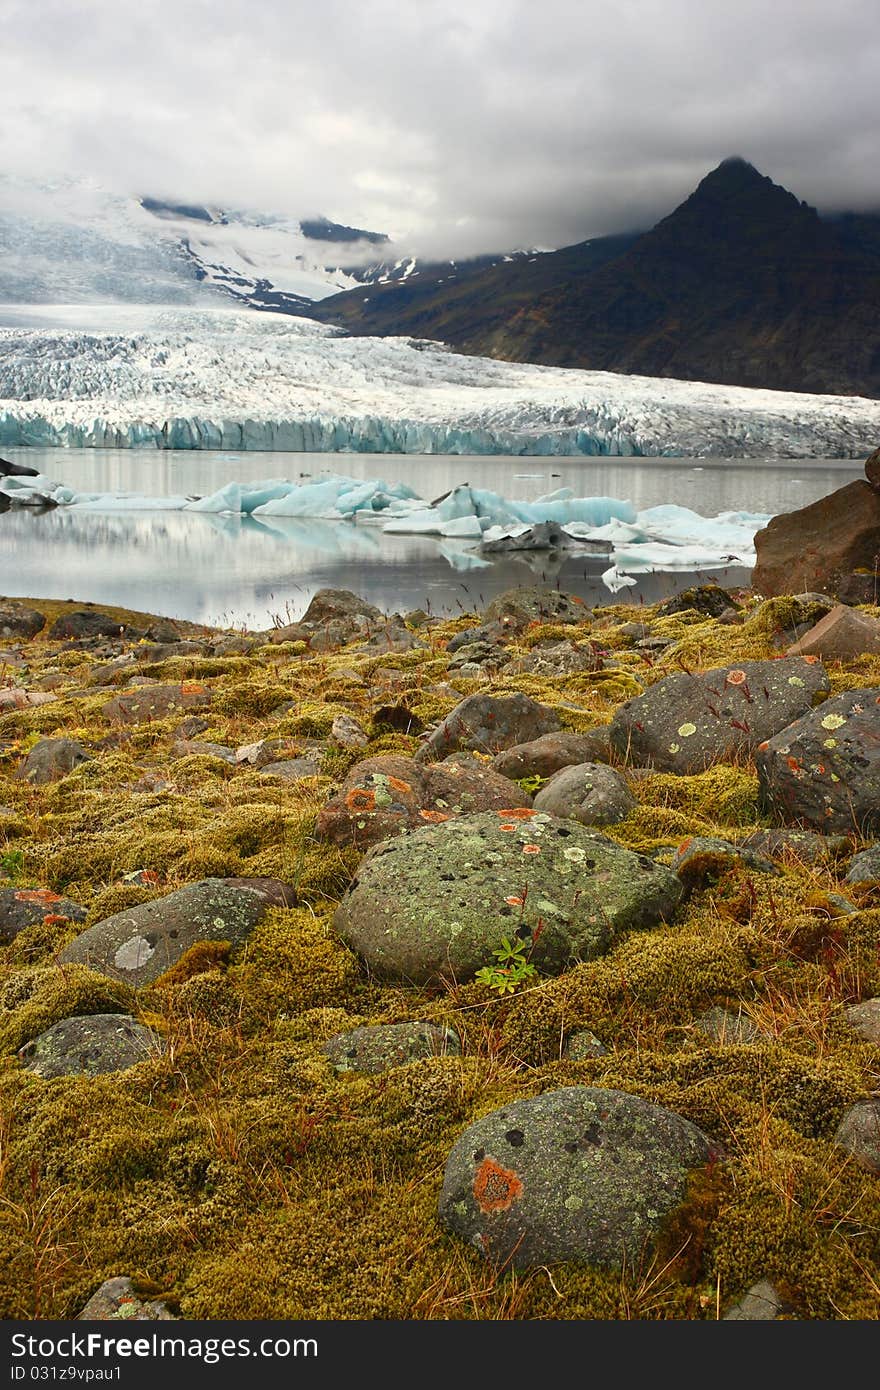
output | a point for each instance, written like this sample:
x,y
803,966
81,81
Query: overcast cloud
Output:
x,y
455,125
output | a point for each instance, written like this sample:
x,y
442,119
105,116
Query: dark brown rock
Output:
x,y
384,795
544,756
817,546
88,623
841,634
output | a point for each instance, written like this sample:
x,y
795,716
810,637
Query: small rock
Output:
x,y
702,859
761,1303
292,769
117,1300
191,727
544,756
590,793
16,620
488,723
516,608
478,654
106,672
51,759
804,845
15,698
578,1174
470,636
729,1029
89,1046
704,598
348,733
417,618
155,652
192,748
376,1049
557,659
141,943
88,623
865,867
864,1019
156,702
264,751
859,1133
23,907
841,634
582,1045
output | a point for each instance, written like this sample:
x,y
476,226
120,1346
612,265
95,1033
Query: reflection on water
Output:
x,y
225,570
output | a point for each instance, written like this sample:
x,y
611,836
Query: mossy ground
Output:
x,y
240,1177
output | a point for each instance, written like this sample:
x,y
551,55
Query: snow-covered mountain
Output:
x,y
234,379
75,241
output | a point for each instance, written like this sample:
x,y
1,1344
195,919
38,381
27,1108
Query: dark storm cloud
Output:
x,y
457,126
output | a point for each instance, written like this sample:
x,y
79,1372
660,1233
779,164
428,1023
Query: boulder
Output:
x,y
150,702
580,1174
704,598
823,770
590,793
557,659
24,907
818,546
688,721
488,723
841,634
865,867
804,845
8,469
16,698
551,752
333,617
516,608
859,1133
383,1046
384,795
88,623
51,759
469,636
437,903
141,943
89,1046
16,620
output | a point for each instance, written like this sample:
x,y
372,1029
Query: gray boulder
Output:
x,y
823,770
578,1174
551,752
590,793
865,867
437,902
516,608
488,723
383,1046
686,722
85,624
702,859
90,1045
727,1028
141,943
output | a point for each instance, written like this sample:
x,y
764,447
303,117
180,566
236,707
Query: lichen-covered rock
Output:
x,y
702,859
688,721
864,1019
380,1047
488,723
384,795
589,793
583,1044
817,546
578,1174
436,903
141,943
17,620
859,1133
116,1300
516,608
704,598
23,907
865,867
544,756
823,770
150,702
90,1045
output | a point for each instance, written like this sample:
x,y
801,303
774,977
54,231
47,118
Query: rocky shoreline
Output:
x,y
348,967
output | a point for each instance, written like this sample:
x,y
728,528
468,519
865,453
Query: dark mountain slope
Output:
x,y
741,284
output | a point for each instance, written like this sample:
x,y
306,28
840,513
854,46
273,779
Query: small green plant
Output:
x,y
512,967
12,864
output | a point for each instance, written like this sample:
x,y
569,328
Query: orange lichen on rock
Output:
x,y
361,799
496,1188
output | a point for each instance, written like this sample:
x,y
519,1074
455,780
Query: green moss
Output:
x,y
32,1000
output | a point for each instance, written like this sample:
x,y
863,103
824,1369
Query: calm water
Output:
x,y
236,571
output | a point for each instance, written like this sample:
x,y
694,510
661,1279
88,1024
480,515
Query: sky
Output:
x,y
457,126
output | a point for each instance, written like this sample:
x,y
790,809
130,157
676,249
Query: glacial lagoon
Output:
x,y
235,570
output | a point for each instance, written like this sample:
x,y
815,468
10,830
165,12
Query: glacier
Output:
x,y
142,376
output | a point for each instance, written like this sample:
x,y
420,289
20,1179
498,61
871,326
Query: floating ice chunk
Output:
x,y
615,581
464,527
225,499
463,559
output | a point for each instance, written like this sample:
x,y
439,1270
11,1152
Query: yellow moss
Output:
x,y
292,962
32,1000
